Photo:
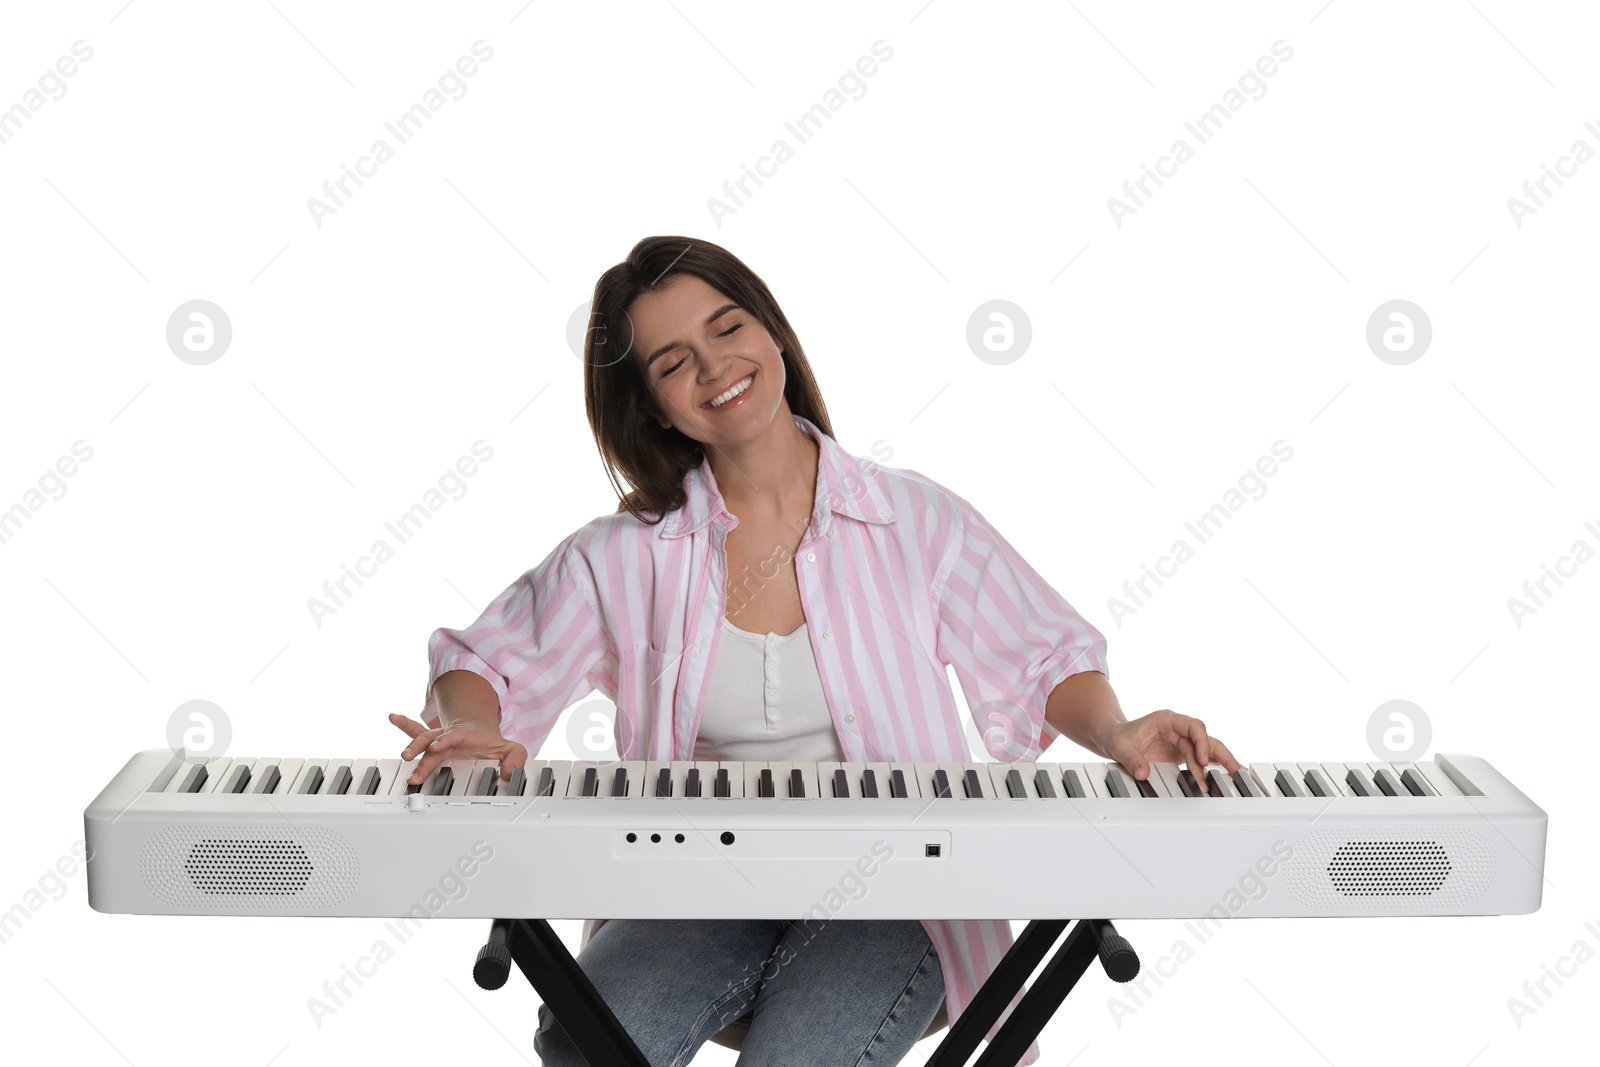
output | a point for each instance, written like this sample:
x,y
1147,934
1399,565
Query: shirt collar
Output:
x,y
843,486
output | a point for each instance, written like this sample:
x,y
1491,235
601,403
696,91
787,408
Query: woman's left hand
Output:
x,y
1166,737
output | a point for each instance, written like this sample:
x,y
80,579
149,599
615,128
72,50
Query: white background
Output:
x,y
432,311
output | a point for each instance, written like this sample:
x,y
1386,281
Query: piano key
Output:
x,y
238,777
1158,785
288,771
1188,786
189,779
1094,785
619,783
1287,777
783,779
1146,787
825,778
708,776
1388,781
1335,773
841,783
340,781
484,774
399,784
972,786
941,783
359,778
979,781
1072,782
691,785
1436,778
1245,784
797,782
869,783
181,775
1416,784
310,770
1359,782
310,780
1119,783
1044,786
1015,789
441,781
1318,783
724,782
1167,773
216,770
1218,782
516,785
764,786
909,779
1266,776
663,783
589,784
264,778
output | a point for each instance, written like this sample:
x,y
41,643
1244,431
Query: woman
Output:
x,y
754,564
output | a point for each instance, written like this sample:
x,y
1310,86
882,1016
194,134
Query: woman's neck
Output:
x,y
771,478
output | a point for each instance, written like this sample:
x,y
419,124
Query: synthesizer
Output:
x,y
561,839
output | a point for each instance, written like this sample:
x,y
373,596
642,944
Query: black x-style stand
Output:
x,y
595,1031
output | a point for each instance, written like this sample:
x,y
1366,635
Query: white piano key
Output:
x,y
1158,783
1265,775
808,775
751,774
1052,772
652,777
680,777
176,782
288,771
738,778
1167,773
388,770
1110,772
476,786
259,773
1339,788
708,776
1374,766
397,780
953,772
308,770
825,771
1000,772
1094,785
1435,777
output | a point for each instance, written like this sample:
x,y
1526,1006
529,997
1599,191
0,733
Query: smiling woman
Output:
x,y
700,395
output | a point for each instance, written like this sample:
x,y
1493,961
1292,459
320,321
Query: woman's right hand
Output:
x,y
459,740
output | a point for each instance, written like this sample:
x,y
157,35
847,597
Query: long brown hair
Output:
x,y
651,457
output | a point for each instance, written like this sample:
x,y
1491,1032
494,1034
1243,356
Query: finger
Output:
x,y
514,757
1197,733
425,767
1223,756
410,726
420,743
1192,761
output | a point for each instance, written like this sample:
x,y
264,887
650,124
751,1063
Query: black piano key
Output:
x,y
1318,783
486,782
941,783
267,781
1114,783
413,787
1145,788
1245,782
1359,783
238,778
1389,783
897,784
841,783
869,783
368,785
545,787
442,781
764,783
514,785
691,784
1073,785
1014,784
193,778
722,787
797,783
1417,784
1288,785
313,781
619,782
969,780
1214,784
591,782
1186,782
664,782
1041,782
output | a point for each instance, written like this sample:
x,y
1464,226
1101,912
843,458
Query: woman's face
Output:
x,y
693,344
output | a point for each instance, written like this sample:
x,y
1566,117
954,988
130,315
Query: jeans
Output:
x,y
839,993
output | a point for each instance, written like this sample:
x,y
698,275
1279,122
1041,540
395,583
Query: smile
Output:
x,y
733,393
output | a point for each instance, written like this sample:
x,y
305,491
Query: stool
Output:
x,y
732,1035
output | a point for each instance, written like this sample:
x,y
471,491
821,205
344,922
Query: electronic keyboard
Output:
x,y
173,834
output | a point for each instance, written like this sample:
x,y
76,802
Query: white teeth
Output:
x,y
718,401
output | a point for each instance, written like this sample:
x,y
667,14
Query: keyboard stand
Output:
x,y
595,1031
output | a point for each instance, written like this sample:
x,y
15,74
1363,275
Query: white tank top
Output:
x,y
764,701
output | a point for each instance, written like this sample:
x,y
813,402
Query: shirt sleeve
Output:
x,y
1009,635
540,644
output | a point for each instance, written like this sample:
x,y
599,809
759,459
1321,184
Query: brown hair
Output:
x,y
651,457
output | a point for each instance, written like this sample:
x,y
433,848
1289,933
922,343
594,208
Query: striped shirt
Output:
x,y
898,577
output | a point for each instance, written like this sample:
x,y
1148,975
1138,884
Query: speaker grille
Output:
x,y
1424,867
222,867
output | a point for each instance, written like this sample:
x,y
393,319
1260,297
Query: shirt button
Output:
x,y
699,533
830,531
772,692
827,635
811,557
849,718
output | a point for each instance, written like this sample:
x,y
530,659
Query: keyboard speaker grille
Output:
x,y
1428,867
222,867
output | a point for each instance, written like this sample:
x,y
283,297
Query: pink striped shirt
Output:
x,y
898,577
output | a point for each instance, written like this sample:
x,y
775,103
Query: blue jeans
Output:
x,y
840,993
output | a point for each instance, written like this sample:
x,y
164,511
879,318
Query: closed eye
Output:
x,y
724,333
